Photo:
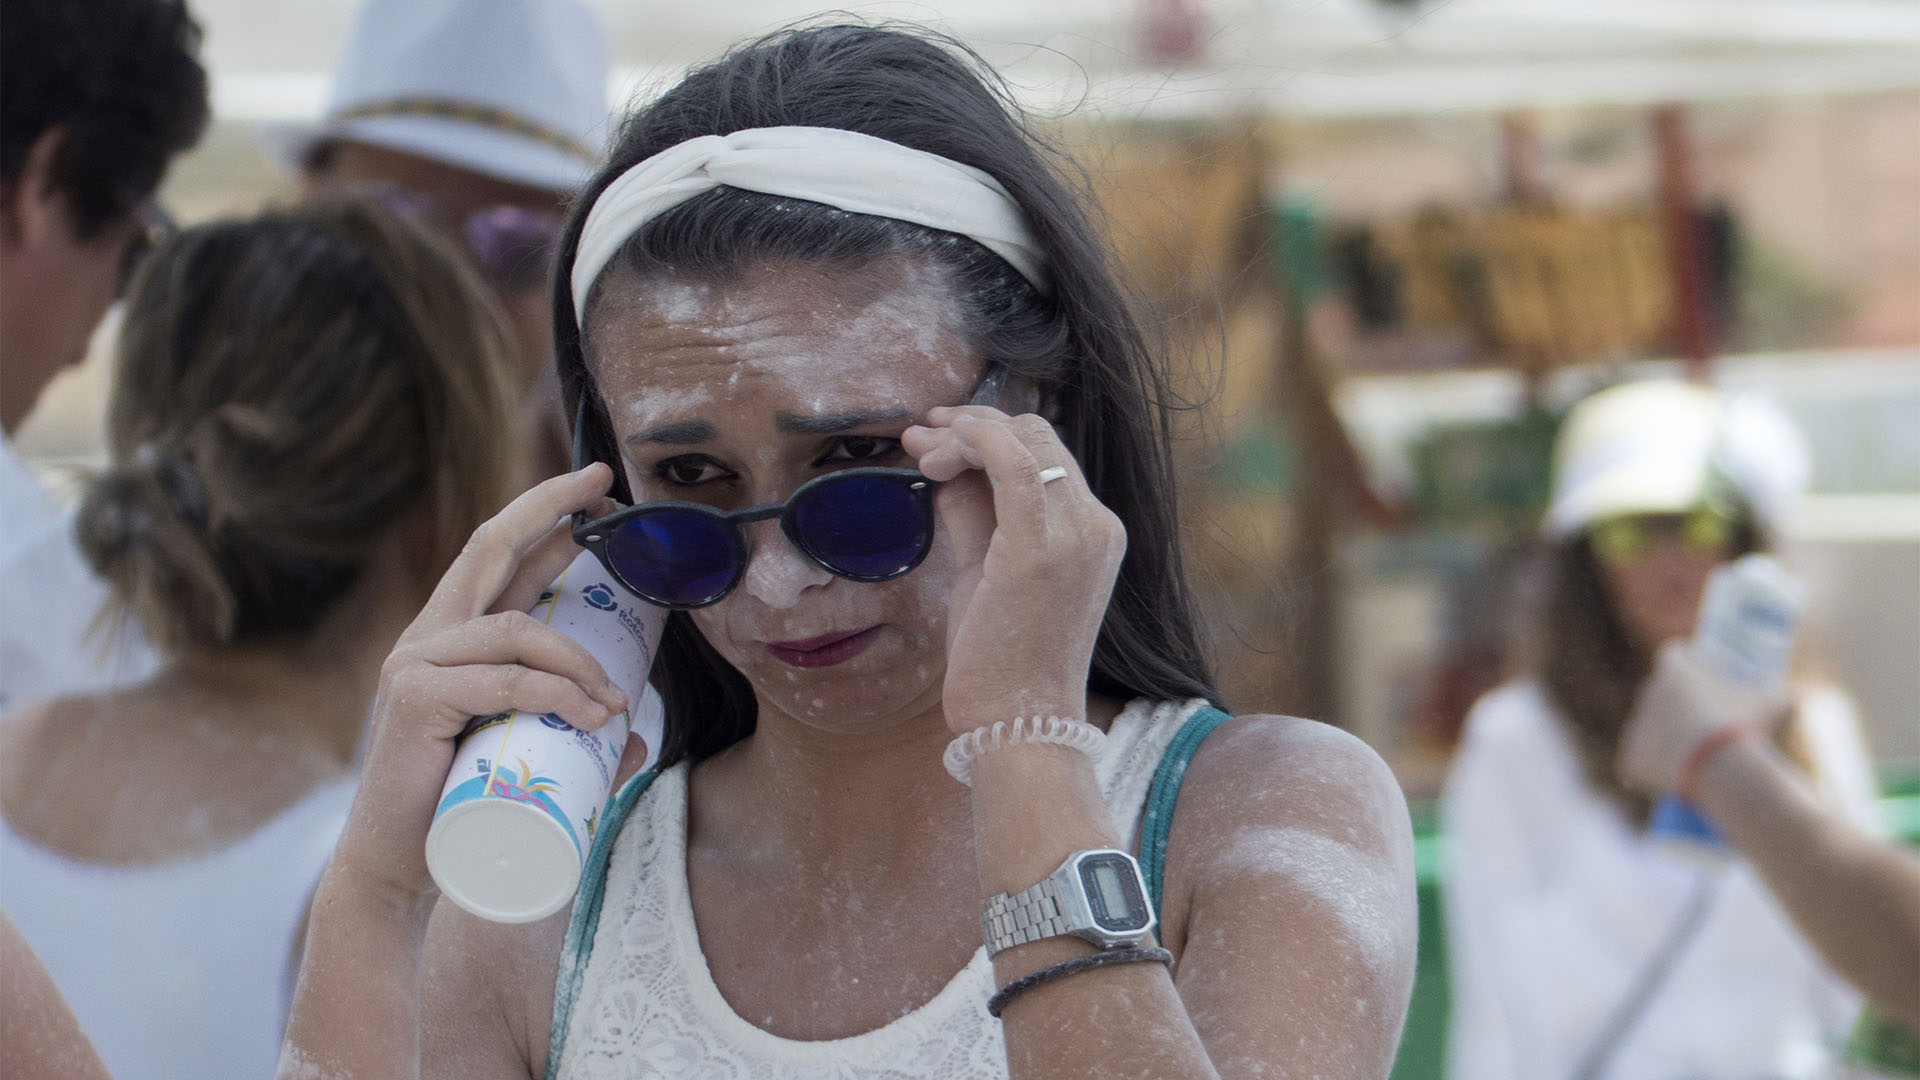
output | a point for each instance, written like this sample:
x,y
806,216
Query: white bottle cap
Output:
x,y
502,860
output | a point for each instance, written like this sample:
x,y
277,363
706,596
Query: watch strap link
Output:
x,y
1025,916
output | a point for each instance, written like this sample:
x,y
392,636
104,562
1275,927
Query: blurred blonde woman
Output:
x,y
309,415
1582,945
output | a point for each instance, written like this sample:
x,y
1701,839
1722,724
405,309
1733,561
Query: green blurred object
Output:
x,y
1259,459
1494,475
1298,249
1877,1043
1900,778
1423,1043
1887,1048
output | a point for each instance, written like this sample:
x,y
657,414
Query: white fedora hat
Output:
x,y
513,89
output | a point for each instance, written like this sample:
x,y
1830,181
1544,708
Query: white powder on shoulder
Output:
x,y
1357,887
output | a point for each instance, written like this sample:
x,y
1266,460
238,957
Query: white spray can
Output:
x,y
524,796
1744,637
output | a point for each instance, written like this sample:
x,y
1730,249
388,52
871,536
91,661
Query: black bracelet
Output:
x,y
998,1002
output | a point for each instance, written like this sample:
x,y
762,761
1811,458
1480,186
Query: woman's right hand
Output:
x,y
472,651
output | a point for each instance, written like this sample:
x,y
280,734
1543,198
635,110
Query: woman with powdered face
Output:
x,y
915,699
306,422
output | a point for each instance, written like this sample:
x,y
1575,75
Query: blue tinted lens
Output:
x,y
863,526
674,556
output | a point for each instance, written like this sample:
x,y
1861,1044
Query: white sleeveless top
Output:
x,y
1546,876
180,968
648,1005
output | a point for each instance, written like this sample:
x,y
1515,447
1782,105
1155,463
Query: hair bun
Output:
x,y
142,526
114,517
179,480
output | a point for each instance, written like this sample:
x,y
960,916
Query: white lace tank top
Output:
x,y
648,1006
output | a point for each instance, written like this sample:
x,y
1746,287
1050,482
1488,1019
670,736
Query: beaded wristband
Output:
x,y
997,1004
1059,730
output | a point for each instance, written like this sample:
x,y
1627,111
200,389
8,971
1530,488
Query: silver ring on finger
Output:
x,y
1049,475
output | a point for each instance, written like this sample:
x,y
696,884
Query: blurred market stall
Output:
x,y
1482,203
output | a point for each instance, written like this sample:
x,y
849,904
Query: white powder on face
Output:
x,y
801,340
664,404
778,575
679,301
882,339
880,348
916,319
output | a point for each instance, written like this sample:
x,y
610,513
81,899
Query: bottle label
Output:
x,y
520,762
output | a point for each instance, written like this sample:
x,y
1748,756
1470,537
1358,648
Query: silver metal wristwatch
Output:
x,y
1097,895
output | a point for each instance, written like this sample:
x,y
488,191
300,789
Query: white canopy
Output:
x,y
1288,57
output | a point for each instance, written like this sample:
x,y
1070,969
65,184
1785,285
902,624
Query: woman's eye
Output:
x,y
860,448
688,471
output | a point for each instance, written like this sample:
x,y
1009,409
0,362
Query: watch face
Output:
x,y
1113,892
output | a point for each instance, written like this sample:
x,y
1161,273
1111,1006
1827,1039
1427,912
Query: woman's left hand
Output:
x,y
1034,564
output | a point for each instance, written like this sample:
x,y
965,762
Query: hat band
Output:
x,y
469,113
847,170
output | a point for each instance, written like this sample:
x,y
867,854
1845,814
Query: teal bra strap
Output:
x,y
1157,819
586,913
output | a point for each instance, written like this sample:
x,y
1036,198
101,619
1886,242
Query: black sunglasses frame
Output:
x,y
595,535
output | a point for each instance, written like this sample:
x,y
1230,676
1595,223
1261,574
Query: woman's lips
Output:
x,y
825,650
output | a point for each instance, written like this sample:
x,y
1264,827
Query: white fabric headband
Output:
x,y
857,173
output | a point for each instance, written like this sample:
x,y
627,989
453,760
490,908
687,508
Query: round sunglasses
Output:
x,y
864,524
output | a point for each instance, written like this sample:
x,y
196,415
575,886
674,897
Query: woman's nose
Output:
x,y
778,572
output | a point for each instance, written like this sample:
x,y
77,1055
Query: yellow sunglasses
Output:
x,y
1624,539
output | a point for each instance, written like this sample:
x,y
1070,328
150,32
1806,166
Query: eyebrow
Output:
x,y
691,432
681,433
834,423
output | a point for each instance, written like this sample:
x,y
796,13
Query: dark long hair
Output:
x,y
1590,666
1082,346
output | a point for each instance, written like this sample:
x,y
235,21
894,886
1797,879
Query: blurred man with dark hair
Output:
x,y
96,97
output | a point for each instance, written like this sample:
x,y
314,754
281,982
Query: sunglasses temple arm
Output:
x,y
580,446
991,385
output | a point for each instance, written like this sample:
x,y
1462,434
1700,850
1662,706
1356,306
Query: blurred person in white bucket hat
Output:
x,y
481,117
1658,456
1663,447
1581,944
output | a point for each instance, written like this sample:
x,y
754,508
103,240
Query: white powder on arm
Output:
x,y
1291,898
486,995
